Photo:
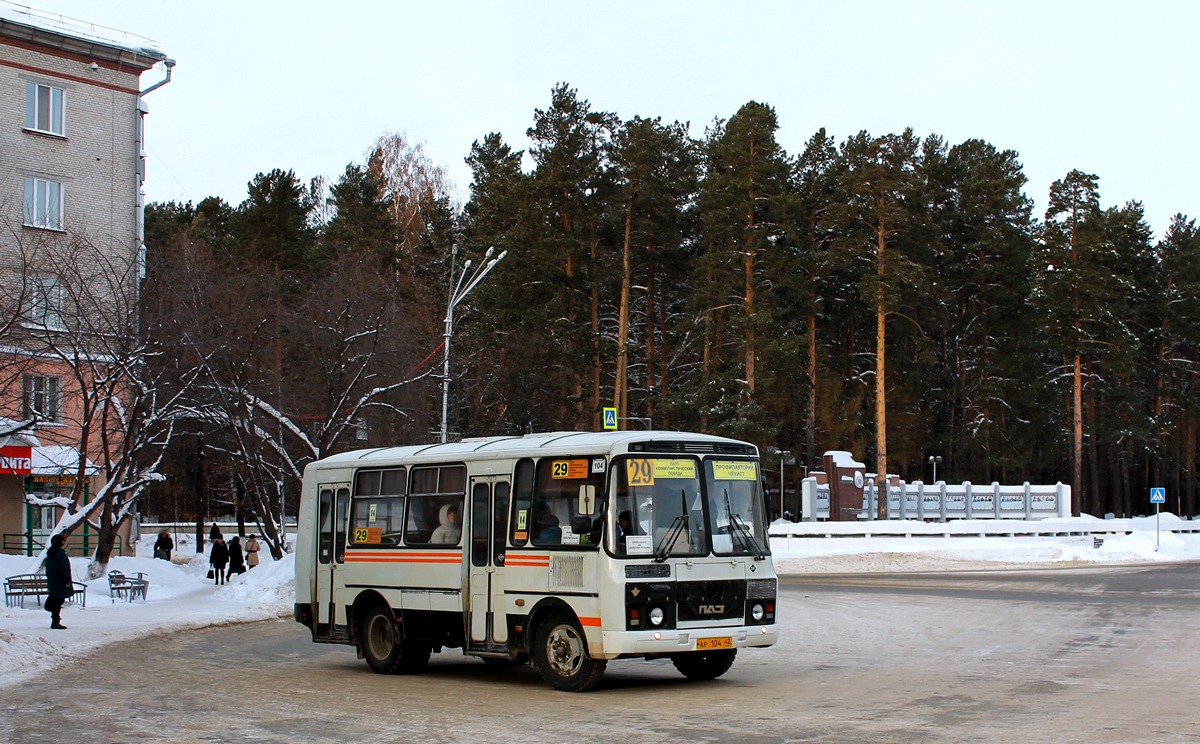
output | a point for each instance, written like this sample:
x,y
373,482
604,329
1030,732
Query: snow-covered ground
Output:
x,y
180,596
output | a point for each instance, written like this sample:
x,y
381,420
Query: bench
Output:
x,y
127,588
17,588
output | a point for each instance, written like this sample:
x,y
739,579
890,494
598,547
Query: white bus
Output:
x,y
569,548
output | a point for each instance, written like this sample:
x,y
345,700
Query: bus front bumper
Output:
x,y
643,642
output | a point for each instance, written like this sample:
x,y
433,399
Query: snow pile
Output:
x,y
180,597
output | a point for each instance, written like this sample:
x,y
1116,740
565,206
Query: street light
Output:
x,y
458,295
934,460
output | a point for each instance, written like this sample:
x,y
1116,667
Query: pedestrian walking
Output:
x,y
237,564
252,549
59,585
218,556
163,546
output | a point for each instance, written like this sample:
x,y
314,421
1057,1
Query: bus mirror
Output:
x,y
587,499
581,525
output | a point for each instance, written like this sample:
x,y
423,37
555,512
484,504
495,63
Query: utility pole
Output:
x,y
462,287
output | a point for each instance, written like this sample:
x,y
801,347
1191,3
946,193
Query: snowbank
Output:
x,y
179,597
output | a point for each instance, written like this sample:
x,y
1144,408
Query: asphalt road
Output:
x,y
1088,655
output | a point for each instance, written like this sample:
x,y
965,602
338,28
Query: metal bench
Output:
x,y
17,588
127,588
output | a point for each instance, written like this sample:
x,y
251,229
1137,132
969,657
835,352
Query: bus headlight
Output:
x,y
757,612
656,616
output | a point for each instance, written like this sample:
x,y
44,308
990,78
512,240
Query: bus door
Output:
x,y
333,500
487,618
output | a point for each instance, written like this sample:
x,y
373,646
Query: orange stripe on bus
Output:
x,y
405,553
589,622
405,559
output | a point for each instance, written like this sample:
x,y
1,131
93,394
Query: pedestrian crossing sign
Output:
x,y
610,419
1158,495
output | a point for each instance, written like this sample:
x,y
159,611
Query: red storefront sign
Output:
x,y
16,460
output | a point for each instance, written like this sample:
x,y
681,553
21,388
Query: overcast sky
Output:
x,y
1105,87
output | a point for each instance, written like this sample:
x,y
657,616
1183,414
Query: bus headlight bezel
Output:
x,y
656,616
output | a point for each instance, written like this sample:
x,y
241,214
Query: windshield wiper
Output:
x,y
678,525
739,528
672,537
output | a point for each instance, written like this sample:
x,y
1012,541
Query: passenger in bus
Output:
x,y
546,525
449,529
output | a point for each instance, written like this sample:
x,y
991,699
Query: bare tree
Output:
x,y
412,186
120,405
290,369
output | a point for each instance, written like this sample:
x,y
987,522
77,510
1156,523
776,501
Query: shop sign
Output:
x,y
16,460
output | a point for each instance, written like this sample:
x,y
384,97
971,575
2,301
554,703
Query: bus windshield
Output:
x,y
736,508
664,507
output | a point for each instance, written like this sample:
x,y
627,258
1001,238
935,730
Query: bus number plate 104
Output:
x,y
710,644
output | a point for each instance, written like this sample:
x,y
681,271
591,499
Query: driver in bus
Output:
x,y
546,525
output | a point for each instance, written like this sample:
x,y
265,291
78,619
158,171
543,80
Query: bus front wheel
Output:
x,y
386,651
562,657
704,665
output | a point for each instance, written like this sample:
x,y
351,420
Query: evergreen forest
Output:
x,y
893,295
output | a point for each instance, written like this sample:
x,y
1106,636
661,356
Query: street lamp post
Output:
x,y
462,287
934,460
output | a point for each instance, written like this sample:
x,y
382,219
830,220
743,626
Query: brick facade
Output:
x,y
99,161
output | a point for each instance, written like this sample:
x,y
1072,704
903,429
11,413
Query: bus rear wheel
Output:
x,y
386,651
562,657
704,665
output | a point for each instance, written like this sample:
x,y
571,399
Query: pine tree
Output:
x,y
744,209
655,170
878,177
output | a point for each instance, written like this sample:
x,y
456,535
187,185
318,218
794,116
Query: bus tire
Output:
x,y
704,665
384,647
561,655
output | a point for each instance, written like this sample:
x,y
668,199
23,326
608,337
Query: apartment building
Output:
x,y
72,103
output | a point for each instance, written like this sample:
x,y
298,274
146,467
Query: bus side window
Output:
x,y
522,503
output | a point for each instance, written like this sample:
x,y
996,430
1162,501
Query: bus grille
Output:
x,y
711,600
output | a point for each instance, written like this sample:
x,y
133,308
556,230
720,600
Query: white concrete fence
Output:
x,y
942,502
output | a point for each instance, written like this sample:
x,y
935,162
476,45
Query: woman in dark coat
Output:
x,y
218,556
237,564
163,546
59,585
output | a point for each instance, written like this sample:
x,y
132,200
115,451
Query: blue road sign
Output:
x,y
610,419
1158,495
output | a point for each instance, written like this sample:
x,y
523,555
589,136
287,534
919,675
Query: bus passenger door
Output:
x,y
333,500
487,621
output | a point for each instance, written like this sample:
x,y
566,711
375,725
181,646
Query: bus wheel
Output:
x,y
704,665
386,652
562,657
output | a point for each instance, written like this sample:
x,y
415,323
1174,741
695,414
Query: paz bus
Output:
x,y
567,549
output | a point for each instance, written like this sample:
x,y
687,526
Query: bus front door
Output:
x,y
487,618
333,499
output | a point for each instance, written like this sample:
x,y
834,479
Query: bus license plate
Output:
x,y
708,644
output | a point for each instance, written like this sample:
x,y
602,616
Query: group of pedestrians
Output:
x,y
228,560
225,561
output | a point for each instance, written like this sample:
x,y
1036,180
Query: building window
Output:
x,y
43,397
44,108
46,302
43,203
